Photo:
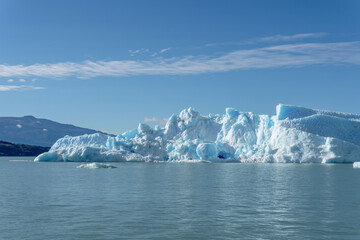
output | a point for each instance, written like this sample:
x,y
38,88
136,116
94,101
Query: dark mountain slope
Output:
x,y
10,149
33,131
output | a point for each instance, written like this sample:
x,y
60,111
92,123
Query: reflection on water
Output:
x,y
178,201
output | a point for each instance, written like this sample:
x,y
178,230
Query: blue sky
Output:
x,y
109,65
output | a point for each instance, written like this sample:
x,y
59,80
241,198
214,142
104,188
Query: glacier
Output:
x,y
293,135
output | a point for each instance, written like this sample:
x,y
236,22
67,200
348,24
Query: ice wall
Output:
x,y
294,134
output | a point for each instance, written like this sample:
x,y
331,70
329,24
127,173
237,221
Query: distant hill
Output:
x,y
34,131
10,149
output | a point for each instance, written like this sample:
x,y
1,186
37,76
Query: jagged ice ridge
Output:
x,y
294,134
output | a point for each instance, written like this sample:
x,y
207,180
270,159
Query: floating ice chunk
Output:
x,y
95,165
356,164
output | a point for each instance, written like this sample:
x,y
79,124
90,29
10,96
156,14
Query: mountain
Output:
x,y
10,149
34,131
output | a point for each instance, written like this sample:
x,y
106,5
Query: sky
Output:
x,y
108,65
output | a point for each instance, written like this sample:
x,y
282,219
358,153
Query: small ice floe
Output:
x,y
95,165
356,164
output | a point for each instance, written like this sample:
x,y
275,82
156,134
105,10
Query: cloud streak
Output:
x,y
287,55
6,88
271,39
138,51
280,38
160,52
164,50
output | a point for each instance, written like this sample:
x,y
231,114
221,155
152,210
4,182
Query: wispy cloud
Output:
x,y
287,55
164,50
282,38
271,39
160,52
156,120
4,88
138,51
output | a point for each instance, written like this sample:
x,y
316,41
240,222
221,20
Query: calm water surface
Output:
x,y
178,201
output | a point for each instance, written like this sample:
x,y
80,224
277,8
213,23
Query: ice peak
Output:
x,y
292,112
231,112
189,113
144,128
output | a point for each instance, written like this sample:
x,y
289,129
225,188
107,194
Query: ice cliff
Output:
x,y
294,134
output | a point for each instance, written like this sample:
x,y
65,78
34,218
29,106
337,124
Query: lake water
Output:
x,y
178,201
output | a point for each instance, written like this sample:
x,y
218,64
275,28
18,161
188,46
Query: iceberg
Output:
x,y
293,135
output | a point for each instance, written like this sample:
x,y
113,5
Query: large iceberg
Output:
x,y
294,135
